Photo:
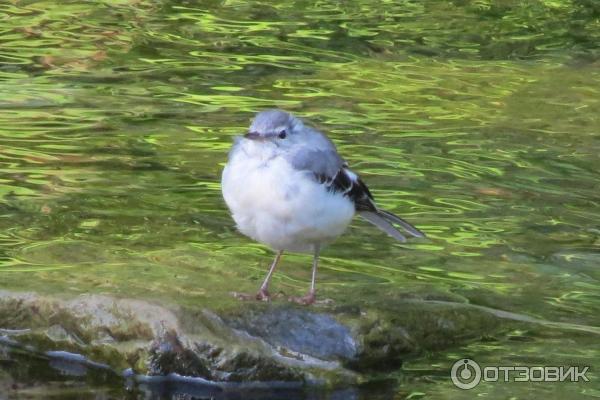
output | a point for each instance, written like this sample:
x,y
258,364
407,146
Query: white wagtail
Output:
x,y
287,187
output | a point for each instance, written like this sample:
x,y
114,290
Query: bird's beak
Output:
x,y
252,135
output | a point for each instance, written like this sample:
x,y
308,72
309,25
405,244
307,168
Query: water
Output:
x,y
478,121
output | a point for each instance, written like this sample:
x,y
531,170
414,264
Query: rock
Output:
x,y
299,330
253,342
57,333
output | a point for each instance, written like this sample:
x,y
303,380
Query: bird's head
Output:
x,y
274,126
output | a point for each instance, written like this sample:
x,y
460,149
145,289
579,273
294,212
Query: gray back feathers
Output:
x,y
324,162
316,153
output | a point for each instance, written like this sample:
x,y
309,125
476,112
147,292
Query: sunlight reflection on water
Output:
x,y
115,123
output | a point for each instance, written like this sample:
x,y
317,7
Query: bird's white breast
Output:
x,y
278,205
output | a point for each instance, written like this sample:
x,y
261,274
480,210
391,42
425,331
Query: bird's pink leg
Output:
x,y
310,297
263,292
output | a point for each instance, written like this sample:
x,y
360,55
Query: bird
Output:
x,y
286,186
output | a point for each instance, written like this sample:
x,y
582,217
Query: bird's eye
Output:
x,y
282,134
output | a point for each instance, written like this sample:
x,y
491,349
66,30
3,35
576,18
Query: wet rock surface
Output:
x,y
299,330
249,350
254,342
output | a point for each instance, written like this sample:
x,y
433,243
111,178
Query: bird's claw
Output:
x,y
305,300
263,295
242,296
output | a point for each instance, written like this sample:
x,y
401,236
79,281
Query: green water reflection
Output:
x,y
476,120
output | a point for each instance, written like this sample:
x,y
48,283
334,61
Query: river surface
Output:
x,y
477,121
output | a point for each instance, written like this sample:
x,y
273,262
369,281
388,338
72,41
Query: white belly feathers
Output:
x,y
275,204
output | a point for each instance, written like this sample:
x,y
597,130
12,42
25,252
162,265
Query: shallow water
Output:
x,y
479,123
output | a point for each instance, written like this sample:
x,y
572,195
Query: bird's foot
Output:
x,y
261,295
305,300
243,296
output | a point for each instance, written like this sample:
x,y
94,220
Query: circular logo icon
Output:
x,y
466,374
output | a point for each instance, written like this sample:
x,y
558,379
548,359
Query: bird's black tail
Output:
x,y
384,220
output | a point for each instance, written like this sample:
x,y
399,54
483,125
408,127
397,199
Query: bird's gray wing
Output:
x,y
329,169
321,162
